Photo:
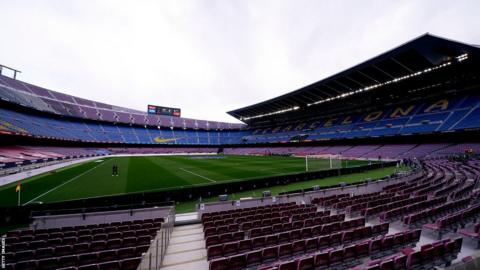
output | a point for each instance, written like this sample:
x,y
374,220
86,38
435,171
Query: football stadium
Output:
x,y
373,167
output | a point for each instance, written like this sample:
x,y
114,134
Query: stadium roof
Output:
x,y
420,55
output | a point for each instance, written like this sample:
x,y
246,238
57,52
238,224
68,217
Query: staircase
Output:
x,y
186,249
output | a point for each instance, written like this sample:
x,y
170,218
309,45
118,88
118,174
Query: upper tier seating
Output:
x,y
441,115
422,117
58,103
78,130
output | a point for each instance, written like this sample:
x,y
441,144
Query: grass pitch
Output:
x,y
151,173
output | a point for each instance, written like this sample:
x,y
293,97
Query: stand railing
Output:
x,y
153,258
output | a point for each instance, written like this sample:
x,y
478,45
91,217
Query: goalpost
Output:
x,y
321,162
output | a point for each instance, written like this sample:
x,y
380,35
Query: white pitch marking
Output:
x,y
55,188
196,174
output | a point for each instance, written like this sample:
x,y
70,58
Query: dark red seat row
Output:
x,y
464,191
251,217
324,240
378,248
368,211
271,254
76,249
80,242
297,223
400,189
371,204
430,255
473,234
275,223
307,226
261,218
277,228
454,221
329,200
116,245
394,186
54,263
435,212
446,190
431,188
67,238
397,213
224,238
67,252
124,225
418,186
369,198
344,257
81,248
210,216
304,216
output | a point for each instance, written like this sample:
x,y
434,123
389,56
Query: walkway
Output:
x,y
186,249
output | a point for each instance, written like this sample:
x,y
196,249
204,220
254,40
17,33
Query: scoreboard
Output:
x,y
153,109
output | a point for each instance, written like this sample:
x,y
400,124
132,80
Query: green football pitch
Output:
x,y
152,173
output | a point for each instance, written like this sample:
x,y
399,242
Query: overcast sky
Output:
x,y
209,57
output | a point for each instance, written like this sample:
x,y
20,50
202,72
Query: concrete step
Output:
x,y
176,233
197,265
189,246
184,257
187,218
186,238
188,227
186,249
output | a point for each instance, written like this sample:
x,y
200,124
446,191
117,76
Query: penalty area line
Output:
x,y
199,175
55,188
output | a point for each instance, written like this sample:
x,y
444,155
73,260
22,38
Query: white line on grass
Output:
x,y
196,174
300,166
55,188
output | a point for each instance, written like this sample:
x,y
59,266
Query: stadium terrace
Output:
x,y
375,167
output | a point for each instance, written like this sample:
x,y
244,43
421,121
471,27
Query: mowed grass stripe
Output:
x,y
146,173
98,182
37,185
150,173
196,174
242,167
63,184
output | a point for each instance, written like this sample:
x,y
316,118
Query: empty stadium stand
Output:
x,y
93,245
426,218
318,235
42,99
436,116
423,120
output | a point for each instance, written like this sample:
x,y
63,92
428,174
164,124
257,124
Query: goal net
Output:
x,y
322,162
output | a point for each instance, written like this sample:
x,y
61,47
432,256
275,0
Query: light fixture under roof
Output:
x,y
459,58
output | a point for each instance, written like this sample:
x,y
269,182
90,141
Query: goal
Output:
x,y
322,162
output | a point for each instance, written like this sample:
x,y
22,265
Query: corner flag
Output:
x,y
18,189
